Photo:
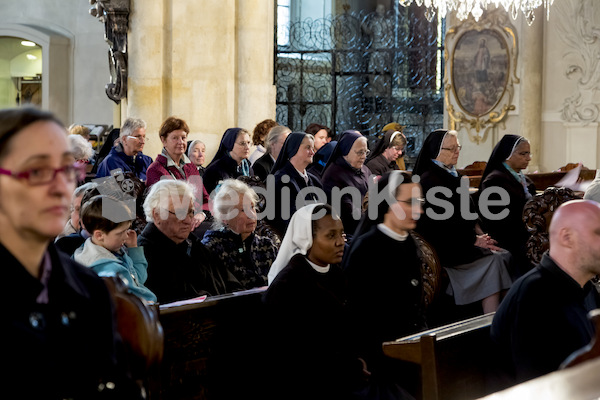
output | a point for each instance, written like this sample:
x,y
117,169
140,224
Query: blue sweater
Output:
x,y
130,265
118,159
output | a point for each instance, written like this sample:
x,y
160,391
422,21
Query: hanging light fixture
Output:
x,y
475,7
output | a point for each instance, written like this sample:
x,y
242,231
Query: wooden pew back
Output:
x,y
212,349
537,215
455,359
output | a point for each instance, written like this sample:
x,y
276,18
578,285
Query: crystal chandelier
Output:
x,y
475,7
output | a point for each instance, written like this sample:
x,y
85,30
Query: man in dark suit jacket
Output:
x,y
275,140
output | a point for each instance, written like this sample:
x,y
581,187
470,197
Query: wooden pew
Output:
x,y
212,349
579,382
537,215
541,180
455,359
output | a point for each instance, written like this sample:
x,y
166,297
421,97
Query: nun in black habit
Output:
x,y
231,159
320,159
392,285
504,172
291,177
387,150
478,270
346,170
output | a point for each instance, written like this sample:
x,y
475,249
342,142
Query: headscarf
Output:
x,y
343,146
323,154
290,148
503,150
297,239
191,144
430,151
227,143
383,143
389,181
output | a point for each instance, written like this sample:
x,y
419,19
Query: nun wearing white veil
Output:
x,y
310,345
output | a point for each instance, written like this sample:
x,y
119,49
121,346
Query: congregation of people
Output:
x,y
333,241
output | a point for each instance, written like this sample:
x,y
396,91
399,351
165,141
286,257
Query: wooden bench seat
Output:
x,y
455,359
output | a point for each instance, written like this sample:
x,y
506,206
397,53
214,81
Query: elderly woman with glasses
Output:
x,y
232,240
57,306
347,173
179,266
387,150
477,268
231,159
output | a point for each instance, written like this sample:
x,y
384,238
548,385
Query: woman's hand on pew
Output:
x,y
487,242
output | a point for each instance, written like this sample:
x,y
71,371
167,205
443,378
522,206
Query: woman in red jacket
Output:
x,y
172,163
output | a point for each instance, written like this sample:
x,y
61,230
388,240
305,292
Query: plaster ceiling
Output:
x,y
10,47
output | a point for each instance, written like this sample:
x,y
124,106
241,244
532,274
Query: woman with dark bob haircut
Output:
x,y
60,327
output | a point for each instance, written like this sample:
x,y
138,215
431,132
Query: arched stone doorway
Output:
x,y
56,65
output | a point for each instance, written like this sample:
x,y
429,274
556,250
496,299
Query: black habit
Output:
x,y
311,340
385,297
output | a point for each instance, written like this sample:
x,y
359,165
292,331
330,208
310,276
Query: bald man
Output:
x,y
543,318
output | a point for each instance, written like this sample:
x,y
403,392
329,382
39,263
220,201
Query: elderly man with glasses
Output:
x,y
179,266
127,154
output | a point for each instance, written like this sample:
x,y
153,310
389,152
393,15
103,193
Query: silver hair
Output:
x,y
274,135
131,125
80,190
80,147
227,197
163,192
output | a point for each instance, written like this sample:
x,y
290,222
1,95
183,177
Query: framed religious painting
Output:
x,y
480,74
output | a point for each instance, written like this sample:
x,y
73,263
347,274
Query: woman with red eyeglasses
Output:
x,y
59,328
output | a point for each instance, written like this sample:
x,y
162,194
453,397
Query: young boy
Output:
x,y
104,250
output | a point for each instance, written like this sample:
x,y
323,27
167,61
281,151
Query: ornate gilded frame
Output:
x,y
495,25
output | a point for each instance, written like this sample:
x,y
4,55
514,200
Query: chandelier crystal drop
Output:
x,y
475,7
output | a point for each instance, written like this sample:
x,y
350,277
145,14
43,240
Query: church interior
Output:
x,y
349,65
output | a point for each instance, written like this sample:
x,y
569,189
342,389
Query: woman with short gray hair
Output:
x,y
232,238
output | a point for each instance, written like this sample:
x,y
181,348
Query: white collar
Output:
x,y
303,174
318,268
386,230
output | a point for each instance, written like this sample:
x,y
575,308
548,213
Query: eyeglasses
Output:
x,y
244,144
189,213
138,138
361,153
42,176
453,149
414,201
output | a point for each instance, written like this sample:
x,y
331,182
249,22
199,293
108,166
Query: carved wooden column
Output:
x,y
114,14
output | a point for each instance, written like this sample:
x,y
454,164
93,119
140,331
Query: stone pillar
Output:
x,y
531,56
209,63
254,52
